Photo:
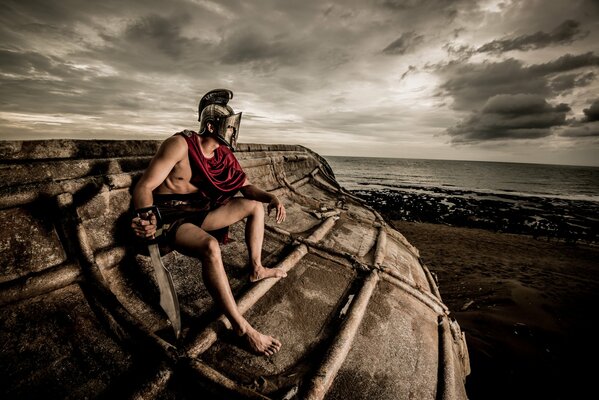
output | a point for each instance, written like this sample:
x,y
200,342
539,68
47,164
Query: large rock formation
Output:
x,y
359,315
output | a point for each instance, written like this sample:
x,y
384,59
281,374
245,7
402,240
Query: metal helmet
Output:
x,y
213,108
224,121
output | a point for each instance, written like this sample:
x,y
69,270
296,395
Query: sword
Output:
x,y
168,295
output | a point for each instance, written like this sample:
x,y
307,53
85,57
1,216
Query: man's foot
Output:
x,y
264,273
261,344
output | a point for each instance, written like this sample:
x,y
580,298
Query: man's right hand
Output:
x,y
144,225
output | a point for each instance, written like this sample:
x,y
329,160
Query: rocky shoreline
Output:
x,y
566,220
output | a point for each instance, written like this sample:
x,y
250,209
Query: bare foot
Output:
x,y
264,273
262,344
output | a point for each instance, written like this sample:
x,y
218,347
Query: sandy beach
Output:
x,y
527,306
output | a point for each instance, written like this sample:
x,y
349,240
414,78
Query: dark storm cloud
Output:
x,y
565,83
445,7
507,99
566,62
405,43
400,4
592,113
471,84
162,34
16,62
250,45
152,44
567,32
518,116
586,127
582,131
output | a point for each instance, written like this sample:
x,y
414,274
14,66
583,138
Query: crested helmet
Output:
x,y
213,108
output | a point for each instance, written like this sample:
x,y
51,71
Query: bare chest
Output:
x,y
179,179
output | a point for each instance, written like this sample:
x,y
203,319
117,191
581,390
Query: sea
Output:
x,y
558,181
505,195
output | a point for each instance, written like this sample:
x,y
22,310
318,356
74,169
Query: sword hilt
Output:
x,y
146,214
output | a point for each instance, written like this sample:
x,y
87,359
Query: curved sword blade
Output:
x,y
168,296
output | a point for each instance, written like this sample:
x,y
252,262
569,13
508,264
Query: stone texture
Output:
x,y
29,242
106,336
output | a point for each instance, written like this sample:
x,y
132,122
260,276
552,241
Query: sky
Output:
x,y
513,81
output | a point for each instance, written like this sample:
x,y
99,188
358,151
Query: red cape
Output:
x,y
217,178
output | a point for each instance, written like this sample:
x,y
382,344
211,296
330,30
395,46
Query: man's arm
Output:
x,y
253,192
170,152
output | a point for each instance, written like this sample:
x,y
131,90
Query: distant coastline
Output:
x,y
540,217
543,201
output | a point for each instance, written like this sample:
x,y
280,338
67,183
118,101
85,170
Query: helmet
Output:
x,y
213,108
225,122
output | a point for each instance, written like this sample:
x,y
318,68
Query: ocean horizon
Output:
x,y
567,182
536,199
456,159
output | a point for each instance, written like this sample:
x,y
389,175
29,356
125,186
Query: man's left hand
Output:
x,y
275,204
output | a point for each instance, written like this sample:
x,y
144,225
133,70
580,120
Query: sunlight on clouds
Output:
x,y
494,6
97,69
48,119
309,73
258,118
214,7
418,86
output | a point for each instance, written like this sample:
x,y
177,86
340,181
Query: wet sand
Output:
x,y
528,307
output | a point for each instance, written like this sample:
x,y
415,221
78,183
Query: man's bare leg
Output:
x,y
254,237
195,242
235,210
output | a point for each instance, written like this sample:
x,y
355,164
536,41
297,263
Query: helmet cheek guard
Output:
x,y
225,123
228,130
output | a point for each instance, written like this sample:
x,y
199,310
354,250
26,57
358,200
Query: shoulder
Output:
x,y
186,133
224,150
174,147
226,153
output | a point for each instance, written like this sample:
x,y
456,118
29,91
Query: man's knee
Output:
x,y
255,207
209,248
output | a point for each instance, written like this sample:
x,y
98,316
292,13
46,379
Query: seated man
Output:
x,y
192,180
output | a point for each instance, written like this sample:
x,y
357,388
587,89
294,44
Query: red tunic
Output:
x,y
217,178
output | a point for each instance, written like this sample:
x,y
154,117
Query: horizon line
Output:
x,y
452,159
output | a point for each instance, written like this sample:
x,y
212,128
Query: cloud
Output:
x,y
411,69
301,71
405,43
460,53
589,130
565,83
159,33
418,8
592,113
471,84
249,45
567,62
519,116
567,32
508,100
586,127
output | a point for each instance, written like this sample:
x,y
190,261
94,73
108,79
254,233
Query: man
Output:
x,y
192,180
